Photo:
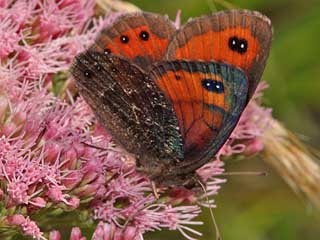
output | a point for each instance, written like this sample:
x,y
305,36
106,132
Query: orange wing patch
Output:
x,y
235,46
199,106
135,42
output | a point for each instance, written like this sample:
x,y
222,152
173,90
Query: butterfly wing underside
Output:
x,y
129,105
208,99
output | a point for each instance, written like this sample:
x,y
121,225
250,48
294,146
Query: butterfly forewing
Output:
x,y
239,37
208,98
141,37
129,105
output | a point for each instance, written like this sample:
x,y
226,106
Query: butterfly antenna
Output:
x,y
218,235
244,173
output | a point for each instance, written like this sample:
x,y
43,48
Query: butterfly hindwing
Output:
x,y
129,105
238,37
141,37
208,98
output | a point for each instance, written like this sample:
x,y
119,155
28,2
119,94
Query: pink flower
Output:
x,y
39,202
178,218
108,231
20,12
41,137
253,123
17,219
210,170
18,192
28,226
55,235
76,234
253,146
9,37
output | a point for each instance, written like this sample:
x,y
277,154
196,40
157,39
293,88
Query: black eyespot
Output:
x,y
212,85
87,73
233,43
177,77
238,45
107,51
243,45
144,35
124,39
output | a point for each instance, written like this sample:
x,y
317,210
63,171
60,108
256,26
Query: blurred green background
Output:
x,y
264,208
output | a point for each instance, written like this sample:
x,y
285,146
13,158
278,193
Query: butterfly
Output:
x,y
172,97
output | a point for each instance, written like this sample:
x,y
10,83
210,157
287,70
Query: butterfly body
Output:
x,y
173,97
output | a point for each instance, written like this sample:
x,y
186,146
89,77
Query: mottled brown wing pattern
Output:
x,y
238,37
141,37
129,105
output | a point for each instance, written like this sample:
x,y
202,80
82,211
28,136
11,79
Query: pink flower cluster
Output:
x,y
55,159
254,121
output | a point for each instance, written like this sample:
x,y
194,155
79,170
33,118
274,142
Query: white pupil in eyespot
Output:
x,y
216,86
212,85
